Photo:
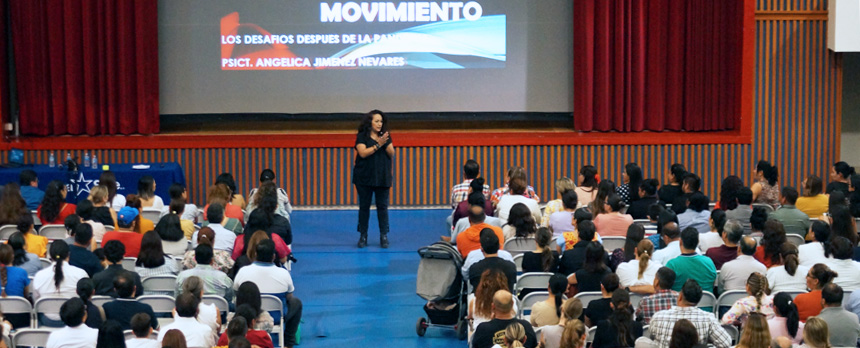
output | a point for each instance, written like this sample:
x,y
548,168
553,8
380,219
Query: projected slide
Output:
x,y
319,35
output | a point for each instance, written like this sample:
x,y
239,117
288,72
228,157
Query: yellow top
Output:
x,y
813,206
36,244
187,228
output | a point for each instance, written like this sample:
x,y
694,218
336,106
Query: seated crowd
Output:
x,y
789,257
236,256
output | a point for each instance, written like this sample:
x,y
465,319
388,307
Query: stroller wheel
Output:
x,y
421,326
462,330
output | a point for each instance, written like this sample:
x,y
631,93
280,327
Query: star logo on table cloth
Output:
x,y
84,185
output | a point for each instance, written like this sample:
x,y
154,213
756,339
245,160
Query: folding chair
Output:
x,y
159,284
733,332
590,338
793,293
846,294
588,296
100,300
611,243
7,230
518,261
151,214
517,246
130,334
31,337
532,280
45,262
525,306
646,331
795,239
17,305
275,307
36,220
47,305
708,301
218,301
767,207
161,304
128,263
728,298
635,299
53,232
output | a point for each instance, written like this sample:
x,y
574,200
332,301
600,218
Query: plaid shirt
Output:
x,y
662,300
501,191
460,192
706,324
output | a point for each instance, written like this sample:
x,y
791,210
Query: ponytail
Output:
x,y
59,253
785,306
3,278
622,316
571,337
758,288
789,258
558,285
7,255
543,237
646,249
515,334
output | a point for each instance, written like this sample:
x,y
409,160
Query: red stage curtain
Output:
x,y
86,67
4,64
657,65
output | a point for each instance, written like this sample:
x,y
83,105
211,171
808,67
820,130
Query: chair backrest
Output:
x,y
846,294
218,301
767,207
650,227
48,305
588,296
533,280
128,263
733,332
517,246
728,298
151,214
646,331
53,232
15,305
708,300
611,243
130,334
635,299
36,220
795,239
160,283
272,303
793,293
45,262
518,261
525,306
108,228
7,230
590,337
31,337
159,303
100,300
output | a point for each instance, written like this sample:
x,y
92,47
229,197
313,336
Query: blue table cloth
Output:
x,y
164,174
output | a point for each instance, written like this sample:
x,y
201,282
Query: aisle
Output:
x,y
358,297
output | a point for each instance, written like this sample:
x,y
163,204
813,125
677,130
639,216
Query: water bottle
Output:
x,y
86,159
95,162
52,161
68,157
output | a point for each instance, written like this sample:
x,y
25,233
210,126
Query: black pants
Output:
x,y
364,195
291,321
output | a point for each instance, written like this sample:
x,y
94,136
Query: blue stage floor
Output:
x,y
359,297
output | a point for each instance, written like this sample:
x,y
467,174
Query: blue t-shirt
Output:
x,y
16,281
33,196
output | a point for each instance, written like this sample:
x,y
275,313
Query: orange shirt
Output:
x,y
130,240
808,304
470,239
66,210
145,225
230,211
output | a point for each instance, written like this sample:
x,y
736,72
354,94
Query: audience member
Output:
x,y
631,179
788,275
842,263
461,191
178,191
757,301
635,234
34,243
74,334
511,174
207,313
567,240
221,258
786,321
141,224
669,192
663,298
249,293
95,313
548,312
248,315
765,189
732,234
492,332
691,184
684,335
215,282
146,193
744,209
108,180
475,198
196,333
809,304
54,209
104,280
854,196
574,335
234,198
707,326
571,309
125,232
58,281
110,335
30,191
598,204
814,202
840,172
520,224
665,217
690,265
842,224
601,309
142,329
843,325
102,212
774,236
593,270
125,307
794,220
697,214
267,200
757,221
177,207
619,329
543,258
562,186
480,302
671,236
284,207
638,275
755,333
222,194
174,339
250,254
735,273
12,205
152,261
26,260
714,237
586,189
86,210
518,189
816,334
819,250
220,220
613,222
259,220
79,256
491,260
470,239
638,209
236,329
13,280
173,240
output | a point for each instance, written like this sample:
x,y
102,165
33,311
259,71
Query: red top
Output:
x,y
761,257
131,240
808,304
255,337
230,211
281,248
66,210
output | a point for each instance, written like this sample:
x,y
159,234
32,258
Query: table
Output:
x,y
164,174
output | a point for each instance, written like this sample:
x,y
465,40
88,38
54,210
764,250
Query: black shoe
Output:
x,y
383,241
362,241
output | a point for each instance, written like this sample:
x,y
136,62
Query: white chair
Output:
x,y
635,299
767,207
7,230
161,283
130,334
728,298
529,301
47,305
36,220
151,214
53,232
733,332
532,280
17,305
795,239
590,338
646,331
845,297
793,293
218,301
588,296
517,246
708,300
45,262
31,337
271,303
128,263
100,300
161,304
518,261
611,243
108,228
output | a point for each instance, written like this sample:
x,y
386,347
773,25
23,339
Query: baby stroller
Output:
x,y
441,284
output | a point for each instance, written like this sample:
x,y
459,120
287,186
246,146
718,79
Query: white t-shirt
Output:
x,y
157,203
849,273
207,315
671,251
709,240
628,273
43,284
779,280
810,254
196,334
118,202
268,277
503,209
224,238
142,343
189,213
80,336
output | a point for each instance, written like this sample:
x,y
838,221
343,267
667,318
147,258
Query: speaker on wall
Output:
x,y
843,25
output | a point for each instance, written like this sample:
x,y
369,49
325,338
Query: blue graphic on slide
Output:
x,y
438,45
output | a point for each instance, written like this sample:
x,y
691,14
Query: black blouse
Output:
x,y
373,170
